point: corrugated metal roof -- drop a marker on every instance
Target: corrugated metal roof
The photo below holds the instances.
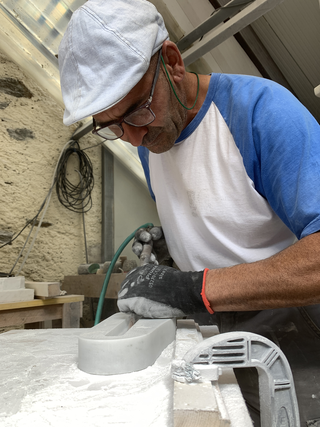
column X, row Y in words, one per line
column 45, row 20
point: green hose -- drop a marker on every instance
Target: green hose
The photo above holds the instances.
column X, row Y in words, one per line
column 108, row 275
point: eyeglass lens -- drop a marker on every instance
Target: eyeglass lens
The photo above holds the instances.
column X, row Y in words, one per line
column 142, row 116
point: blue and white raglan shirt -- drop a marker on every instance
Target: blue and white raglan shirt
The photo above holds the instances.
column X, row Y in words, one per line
column 242, row 182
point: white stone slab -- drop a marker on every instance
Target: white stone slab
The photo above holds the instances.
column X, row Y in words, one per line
column 44, row 289
column 11, row 283
column 41, row 386
column 17, row 295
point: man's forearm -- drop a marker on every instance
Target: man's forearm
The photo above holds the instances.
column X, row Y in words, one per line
column 290, row 278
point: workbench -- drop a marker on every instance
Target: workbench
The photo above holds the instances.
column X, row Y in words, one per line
column 39, row 313
column 41, row 386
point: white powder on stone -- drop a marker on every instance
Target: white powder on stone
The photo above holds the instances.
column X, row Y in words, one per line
column 41, row 386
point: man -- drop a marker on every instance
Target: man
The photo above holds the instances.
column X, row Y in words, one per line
column 233, row 164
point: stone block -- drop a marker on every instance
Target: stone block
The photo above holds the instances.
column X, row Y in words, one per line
column 12, row 283
column 17, row 295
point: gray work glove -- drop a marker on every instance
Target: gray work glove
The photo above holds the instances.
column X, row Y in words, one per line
column 150, row 246
column 163, row 292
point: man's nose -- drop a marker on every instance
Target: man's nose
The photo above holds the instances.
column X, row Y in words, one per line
column 133, row 134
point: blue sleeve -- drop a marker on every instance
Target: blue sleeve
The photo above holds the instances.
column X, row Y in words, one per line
column 143, row 153
column 279, row 141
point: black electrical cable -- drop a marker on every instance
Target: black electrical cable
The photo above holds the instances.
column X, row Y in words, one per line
column 75, row 197
column 79, row 196
column 34, row 219
column 31, row 221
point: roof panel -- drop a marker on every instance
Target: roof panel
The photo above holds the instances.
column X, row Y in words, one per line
column 46, row 20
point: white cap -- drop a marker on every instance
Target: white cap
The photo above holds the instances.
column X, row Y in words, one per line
column 105, row 52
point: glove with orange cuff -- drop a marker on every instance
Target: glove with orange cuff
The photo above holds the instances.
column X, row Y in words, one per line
column 163, row 292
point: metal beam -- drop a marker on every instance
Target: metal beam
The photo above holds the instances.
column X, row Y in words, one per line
column 217, row 18
column 252, row 12
column 81, row 131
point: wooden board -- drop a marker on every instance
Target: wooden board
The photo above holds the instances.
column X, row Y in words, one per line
column 66, row 309
column 90, row 285
column 39, row 302
column 30, row 315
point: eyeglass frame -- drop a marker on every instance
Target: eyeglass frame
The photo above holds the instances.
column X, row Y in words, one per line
column 145, row 105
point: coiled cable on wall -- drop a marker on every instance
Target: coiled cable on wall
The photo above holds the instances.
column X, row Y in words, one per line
column 75, row 197
column 45, row 206
column 79, row 196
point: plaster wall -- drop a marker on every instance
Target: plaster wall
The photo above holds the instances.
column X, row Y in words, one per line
column 32, row 136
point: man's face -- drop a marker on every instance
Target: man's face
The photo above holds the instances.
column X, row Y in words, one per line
column 170, row 119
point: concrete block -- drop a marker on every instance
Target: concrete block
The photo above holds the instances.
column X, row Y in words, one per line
column 17, row 295
column 45, row 289
column 12, row 283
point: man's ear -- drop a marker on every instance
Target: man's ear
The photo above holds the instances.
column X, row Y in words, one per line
column 173, row 60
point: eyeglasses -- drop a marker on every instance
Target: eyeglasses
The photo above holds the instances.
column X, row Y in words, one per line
column 141, row 116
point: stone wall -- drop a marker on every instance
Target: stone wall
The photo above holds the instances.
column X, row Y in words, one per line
column 31, row 138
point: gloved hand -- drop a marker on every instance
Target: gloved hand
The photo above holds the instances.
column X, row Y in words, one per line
column 151, row 240
column 162, row 292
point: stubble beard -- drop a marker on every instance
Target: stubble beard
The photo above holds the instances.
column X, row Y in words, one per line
column 160, row 139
